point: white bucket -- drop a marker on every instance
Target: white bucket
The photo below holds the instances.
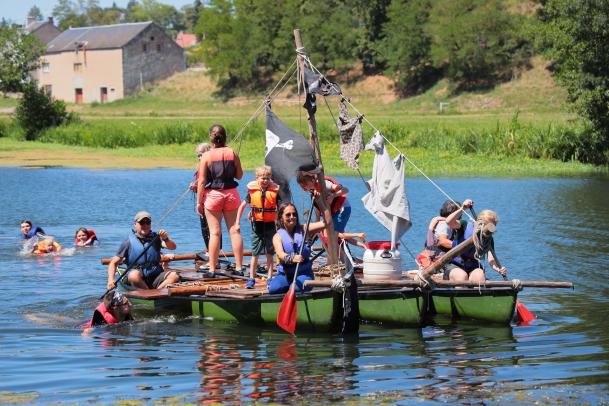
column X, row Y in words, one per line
column 380, row 262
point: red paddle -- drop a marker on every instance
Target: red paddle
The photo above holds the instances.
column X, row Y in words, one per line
column 286, row 317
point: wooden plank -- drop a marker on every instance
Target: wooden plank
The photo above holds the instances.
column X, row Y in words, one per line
column 147, row 294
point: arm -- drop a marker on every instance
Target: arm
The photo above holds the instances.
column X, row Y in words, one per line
column 453, row 219
column 240, row 213
column 166, row 241
column 238, row 169
column 316, row 227
column 494, row 263
column 114, row 262
column 201, row 183
column 278, row 247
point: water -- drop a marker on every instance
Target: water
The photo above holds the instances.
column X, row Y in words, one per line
column 550, row 229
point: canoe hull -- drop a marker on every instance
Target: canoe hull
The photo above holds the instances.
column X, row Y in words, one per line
column 404, row 307
column 494, row 305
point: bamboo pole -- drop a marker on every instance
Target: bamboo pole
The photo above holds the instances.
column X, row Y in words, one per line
column 456, row 251
column 448, row 284
column 332, row 251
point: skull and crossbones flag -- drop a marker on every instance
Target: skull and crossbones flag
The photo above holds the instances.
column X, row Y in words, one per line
column 285, row 152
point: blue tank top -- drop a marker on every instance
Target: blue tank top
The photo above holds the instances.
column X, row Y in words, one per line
column 293, row 246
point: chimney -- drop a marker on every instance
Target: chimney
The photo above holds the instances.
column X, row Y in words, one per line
column 29, row 20
column 51, row 21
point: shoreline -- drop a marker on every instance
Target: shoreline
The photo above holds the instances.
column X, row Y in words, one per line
column 32, row 154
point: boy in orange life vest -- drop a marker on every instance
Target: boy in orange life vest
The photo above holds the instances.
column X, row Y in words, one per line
column 263, row 198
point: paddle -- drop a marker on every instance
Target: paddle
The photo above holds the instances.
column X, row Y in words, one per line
column 523, row 313
column 286, row 317
column 134, row 263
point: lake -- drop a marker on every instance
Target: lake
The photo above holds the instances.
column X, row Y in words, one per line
column 550, row 229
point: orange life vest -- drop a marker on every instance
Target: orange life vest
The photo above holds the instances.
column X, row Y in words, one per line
column 101, row 312
column 263, row 202
column 42, row 249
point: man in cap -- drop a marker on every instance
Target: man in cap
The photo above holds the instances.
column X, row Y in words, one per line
column 146, row 271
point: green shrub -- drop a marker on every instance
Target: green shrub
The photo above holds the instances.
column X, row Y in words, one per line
column 37, row 111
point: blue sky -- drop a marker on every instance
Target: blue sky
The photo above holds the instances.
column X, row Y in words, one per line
column 16, row 10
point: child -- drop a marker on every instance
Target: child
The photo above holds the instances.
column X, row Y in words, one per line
column 263, row 198
column 46, row 246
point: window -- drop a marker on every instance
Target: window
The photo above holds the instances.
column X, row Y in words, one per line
column 78, row 67
column 158, row 47
column 144, row 47
column 46, row 67
column 103, row 94
column 151, row 38
column 48, row 90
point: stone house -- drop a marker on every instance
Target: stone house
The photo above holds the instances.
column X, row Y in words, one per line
column 45, row 31
column 106, row 63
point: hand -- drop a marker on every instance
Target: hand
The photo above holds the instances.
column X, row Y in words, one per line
column 502, row 271
column 361, row 236
column 238, row 227
column 163, row 235
column 297, row 259
column 468, row 204
column 170, row 257
column 111, row 284
column 200, row 209
column 193, row 186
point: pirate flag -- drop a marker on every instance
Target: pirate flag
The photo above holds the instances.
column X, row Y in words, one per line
column 285, row 152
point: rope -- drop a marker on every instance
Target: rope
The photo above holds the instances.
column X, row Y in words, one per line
column 173, row 206
column 482, row 243
column 260, row 108
column 517, row 284
column 389, row 142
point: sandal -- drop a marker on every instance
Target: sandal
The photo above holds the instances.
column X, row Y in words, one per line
column 240, row 272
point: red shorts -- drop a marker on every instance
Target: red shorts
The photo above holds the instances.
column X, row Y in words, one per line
column 222, row 200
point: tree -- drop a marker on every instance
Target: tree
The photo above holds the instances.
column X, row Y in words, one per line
column 579, row 46
column 37, row 111
column 35, row 13
column 406, row 46
column 167, row 17
column 191, row 15
column 70, row 14
column 371, row 17
column 477, row 42
column 19, row 55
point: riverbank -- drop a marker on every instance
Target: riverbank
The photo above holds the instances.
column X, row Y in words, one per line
column 181, row 156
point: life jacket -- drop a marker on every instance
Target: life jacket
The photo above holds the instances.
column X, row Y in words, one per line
column 92, row 238
column 293, row 246
column 101, row 315
column 221, row 169
column 263, row 202
column 32, row 233
column 42, row 249
column 149, row 263
column 338, row 201
column 467, row 261
column 433, row 250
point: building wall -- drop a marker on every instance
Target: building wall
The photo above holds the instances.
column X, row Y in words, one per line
column 102, row 68
column 149, row 57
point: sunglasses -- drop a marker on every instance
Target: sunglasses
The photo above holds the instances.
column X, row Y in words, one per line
column 145, row 222
column 290, row 215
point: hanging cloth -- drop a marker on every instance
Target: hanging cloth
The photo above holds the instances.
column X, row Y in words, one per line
column 387, row 200
column 351, row 136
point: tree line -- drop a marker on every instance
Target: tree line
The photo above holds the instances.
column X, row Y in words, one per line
column 472, row 43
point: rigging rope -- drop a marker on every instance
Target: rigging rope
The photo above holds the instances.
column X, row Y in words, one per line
column 173, row 206
column 389, row 142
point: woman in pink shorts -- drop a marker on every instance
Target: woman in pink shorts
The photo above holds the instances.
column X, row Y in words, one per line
column 218, row 169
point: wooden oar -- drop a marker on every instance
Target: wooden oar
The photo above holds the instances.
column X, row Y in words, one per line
column 286, row 316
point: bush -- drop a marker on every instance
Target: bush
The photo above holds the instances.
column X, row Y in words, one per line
column 37, row 111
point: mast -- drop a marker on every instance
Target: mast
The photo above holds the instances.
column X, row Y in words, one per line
column 332, row 249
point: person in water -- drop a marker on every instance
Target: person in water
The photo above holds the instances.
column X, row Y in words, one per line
column 29, row 231
column 218, row 169
column 470, row 267
column 114, row 308
column 263, row 198
column 84, row 237
column 287, row 242
column 46, row 246
column 148, row 273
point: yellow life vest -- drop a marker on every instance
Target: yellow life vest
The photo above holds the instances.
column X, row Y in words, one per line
column 263, row 203
column 42, row 249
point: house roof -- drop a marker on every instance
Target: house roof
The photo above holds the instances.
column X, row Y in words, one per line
column 35, row 25
column 98, row 37
column 186, row 40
